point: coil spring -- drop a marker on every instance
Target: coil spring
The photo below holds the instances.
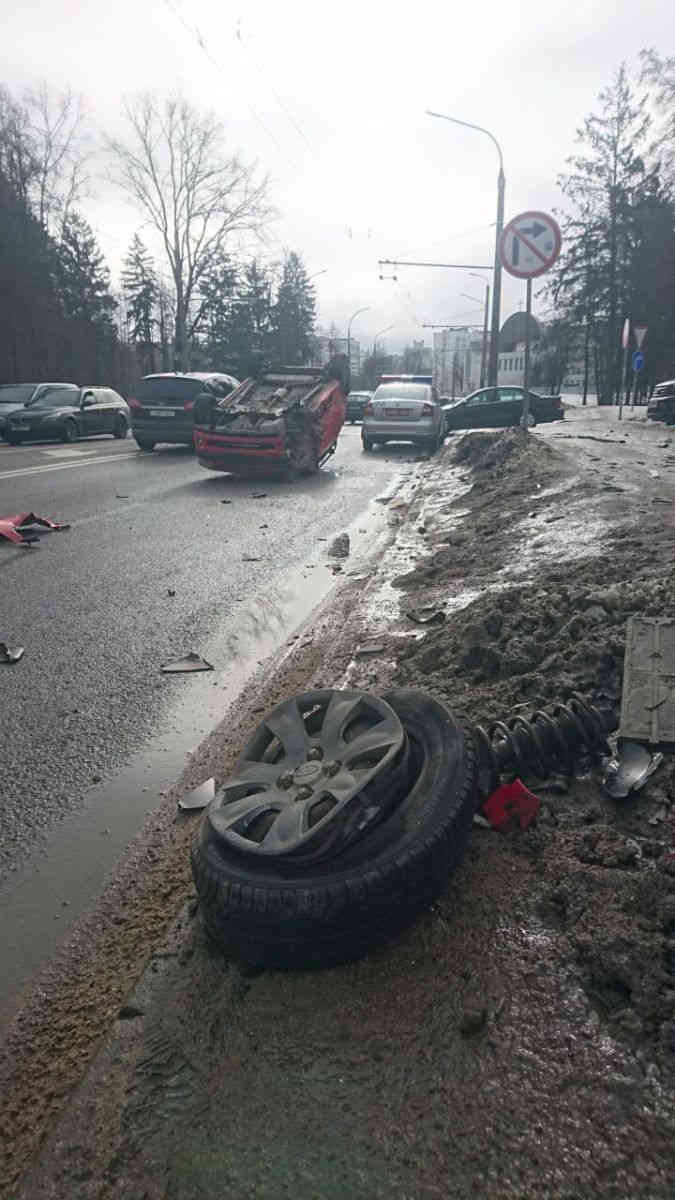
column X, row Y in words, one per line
column 549, row 742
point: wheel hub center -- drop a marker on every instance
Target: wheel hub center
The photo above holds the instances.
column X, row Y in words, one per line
column 308, row 773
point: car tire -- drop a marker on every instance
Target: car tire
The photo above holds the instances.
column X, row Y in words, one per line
column 367, row 444
column 145, row 444
column 121, row 427
column 69, row 431
column 276, row 915
column 14, row 439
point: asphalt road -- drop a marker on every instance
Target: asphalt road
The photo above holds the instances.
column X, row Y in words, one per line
column 92, row 605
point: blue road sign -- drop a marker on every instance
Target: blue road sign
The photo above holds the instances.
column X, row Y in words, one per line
column 638, row 360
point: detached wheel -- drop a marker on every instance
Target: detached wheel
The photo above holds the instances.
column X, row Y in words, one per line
column 69, row 432
column 145, row 444
column 285, row 911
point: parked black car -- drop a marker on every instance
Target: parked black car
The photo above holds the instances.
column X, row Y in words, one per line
column 661, row 406
column 67, row 412
column 16, row 395
column 356, row 402
column 500, row 406
column 162, row 405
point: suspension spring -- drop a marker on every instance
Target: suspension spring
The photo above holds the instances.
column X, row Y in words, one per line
column 547, row 743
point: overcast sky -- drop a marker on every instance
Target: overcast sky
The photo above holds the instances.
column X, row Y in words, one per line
column 331, row 99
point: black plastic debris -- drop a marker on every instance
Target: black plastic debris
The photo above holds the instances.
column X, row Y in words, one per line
column 191, row 662
column 370, row 648
column 171, row 592
column 10, row 656
column 199, row 797
column 258, row 495
column 340, row 546
column 630, row 770
column 426, row 616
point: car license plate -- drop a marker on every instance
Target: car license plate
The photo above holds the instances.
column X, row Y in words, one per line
column 22, row 427
column 161, row 412
column 396, row 413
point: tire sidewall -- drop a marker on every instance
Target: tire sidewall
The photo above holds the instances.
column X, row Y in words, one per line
column 70, row 431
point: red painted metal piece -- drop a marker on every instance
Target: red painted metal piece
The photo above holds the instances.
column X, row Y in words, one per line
column 13, row 528
column 511, row 804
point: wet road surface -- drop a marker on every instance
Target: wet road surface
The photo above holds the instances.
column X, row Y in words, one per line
column 93, row 606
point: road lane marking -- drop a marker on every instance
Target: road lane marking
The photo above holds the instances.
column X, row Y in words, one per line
column 82, row 462
column 66, row 452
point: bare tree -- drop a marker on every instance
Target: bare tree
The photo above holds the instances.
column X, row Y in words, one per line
column 176, row 169
column 55, row 121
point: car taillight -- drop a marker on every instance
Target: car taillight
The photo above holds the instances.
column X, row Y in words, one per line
column 368, row 410
column 189, row 405
column 133, row 403
column 427, row 410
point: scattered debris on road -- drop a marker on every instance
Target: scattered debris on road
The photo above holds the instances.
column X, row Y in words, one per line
column 251, row 558
column 369, row 648
column 199, row 797
column 258, row 495
column 426, row 616
column 171, row 592
column 511, row 804
column 340, row 546
column 191, row 662
column 226, row 502
column 629, row 770
column 10, row 656
column 18, row 527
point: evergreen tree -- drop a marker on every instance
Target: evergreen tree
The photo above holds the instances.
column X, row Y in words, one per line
column 294, row 313
column 140, row 290
column 88, row 307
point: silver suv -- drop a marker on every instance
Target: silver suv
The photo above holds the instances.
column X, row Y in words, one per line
column 406, row 409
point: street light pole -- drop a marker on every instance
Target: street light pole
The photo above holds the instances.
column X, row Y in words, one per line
column 378, row 335
column 349, row 332
column 497, row 287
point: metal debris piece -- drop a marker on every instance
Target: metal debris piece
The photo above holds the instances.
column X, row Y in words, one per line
column 370, row 648
column 199, row 797
column 661, row 500
column 630, row 770
column 171, row 591
column 648, row 700
column 426, row 616
column 10, row 656
column 511, row 803
column 17, row 528
column 226, row 502
column 258, row 495
column 340, row 546
column 191, row 662
column 250, row 558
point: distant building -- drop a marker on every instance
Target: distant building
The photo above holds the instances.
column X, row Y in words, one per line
column 452, row 361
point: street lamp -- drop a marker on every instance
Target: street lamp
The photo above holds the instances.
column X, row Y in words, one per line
column 483, row 357
column 497, row 288
column 349, row 331
column 379, row 335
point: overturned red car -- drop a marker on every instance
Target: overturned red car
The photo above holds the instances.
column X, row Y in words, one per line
column 286, row 420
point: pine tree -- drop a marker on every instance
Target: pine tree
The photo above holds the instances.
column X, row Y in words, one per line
column 139, row 286
column 294, row 313
column 88, row 306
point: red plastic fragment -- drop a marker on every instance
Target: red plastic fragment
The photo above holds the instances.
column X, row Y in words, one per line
column 511, row 803
column 11, row 527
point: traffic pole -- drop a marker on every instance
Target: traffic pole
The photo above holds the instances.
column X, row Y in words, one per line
column 526, row 371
